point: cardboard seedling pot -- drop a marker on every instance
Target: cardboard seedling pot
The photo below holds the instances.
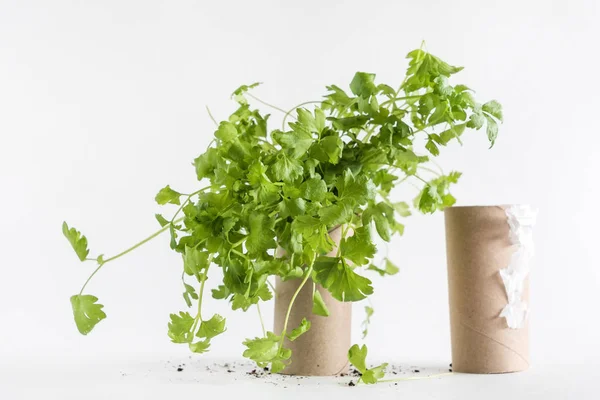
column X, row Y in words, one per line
column 478, row 246
column 323, row 350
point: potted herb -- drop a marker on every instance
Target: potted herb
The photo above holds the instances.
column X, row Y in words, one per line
column 300, row 205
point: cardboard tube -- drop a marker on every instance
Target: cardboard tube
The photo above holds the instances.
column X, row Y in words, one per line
column 477, row 247
column 323, row 350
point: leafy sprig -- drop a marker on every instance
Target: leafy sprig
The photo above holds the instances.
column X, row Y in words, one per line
column 333, row 165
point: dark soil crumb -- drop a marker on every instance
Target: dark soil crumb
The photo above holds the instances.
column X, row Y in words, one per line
column 179, row 369
column 266, row 369
column 343, row 374
column 450, row 365
column 351, row 383
column 229, row 370
column 450, row 369
column 416, row 371
column 256, row 373
column 396, row 384
column 394, row 372
column 355, row 372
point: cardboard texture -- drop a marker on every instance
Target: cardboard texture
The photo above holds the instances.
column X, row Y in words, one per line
column 478, row 246
column 323, row 350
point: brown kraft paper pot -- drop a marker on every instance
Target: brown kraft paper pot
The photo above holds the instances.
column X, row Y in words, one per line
column 477, row 247
column 323, row 350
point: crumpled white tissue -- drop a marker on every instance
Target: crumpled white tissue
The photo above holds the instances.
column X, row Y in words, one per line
column 521, row 219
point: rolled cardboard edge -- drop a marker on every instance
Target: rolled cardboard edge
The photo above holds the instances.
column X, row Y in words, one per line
column 323, row 350
column 477, row 247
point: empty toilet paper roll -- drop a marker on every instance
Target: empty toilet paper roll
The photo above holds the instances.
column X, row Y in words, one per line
column 480, row 247
column 323, row 350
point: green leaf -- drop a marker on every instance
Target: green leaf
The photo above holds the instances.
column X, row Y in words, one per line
column 402, row 208
column 365, row 325
column 358, row 248
column 161, row 220
column 262, row 350
column 340, row 280
column 372, row 375
column 348, row 123
column 212, row 327
column 389, row 268
column 357, row 190
column 244, row 88
column 306, row 120
column 200, row 346
column 194, row 261
column 329, row 149
column 167, row 195
column 492, row 130
column 357, row 356
column 189, row 294
column 313, row 189
column 261, row 236
column 222, row 292
column 319, row 120
column 87, row 312
column 363, row 84
column 494, row 108
column 319, row 306
column 338, row 96
column 435, row 195
column 295, row 142
column 476, row 121
column 383, row 215
column 206, row 163
column 301, row 329
column 173, row 235
column 432, row 147
column 77, row 240
column 335, row 214
column 180, row 327
column 453, row 132
column 277, row 366
column 292, row 207
column 226, row 132
column 286, row 169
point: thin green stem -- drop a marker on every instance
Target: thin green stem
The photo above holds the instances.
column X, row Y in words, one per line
column 149, row 238
column 211, row 117
column 272, row 287
column 210, row 144
column 262, row 324
column 200, row 294
column 267, row 143
column 421, row 179
column 343, row 236
column 368, row 136
column 429, row 170
column 189, row 196
column 265, row 103
column 240, row 254
column 438, row 166
column 289, row 310
column 415, row 378
column 395, row 99
column 236, row 244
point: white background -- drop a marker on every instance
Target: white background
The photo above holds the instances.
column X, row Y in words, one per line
column 103, row 103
